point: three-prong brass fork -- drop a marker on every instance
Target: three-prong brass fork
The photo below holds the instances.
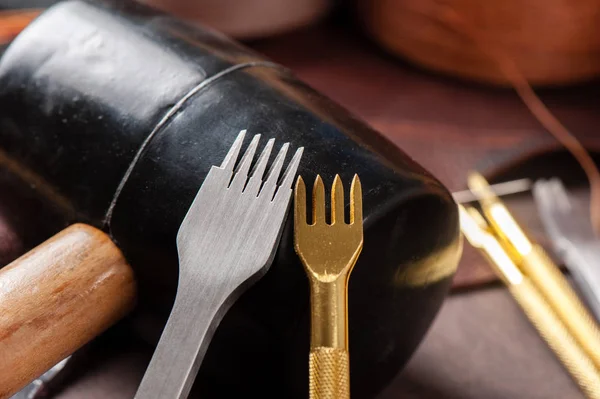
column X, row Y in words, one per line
column 226, row 242
column 328, row 252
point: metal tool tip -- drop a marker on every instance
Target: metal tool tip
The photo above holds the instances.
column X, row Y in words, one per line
column 355, row 201
column 248, row 155
column 337, row 183
column 234, row 151
column 261, row 164
column 275, row 169
column 292, row 168
column 355, row 185
column 476, row 181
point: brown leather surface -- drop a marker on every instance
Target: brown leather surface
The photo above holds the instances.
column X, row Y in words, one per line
column 448, row 126
column 480, row 347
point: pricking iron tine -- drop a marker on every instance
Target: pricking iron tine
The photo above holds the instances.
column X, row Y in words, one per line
column 232, row 155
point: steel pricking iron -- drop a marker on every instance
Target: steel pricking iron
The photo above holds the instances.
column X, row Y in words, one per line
column 227, row 240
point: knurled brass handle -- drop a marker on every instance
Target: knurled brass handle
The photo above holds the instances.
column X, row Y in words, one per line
column 557, row 291
column 329, row 373
column 554, row 332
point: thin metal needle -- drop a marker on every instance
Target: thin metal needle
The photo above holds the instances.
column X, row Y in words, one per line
column 500, row 189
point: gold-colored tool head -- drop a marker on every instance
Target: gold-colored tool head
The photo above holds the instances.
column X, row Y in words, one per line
column 501, row 221
column 478, row 233
column 481, row 188
column 328, row 250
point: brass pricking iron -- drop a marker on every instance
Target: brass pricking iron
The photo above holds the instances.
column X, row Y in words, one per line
column 328, row 252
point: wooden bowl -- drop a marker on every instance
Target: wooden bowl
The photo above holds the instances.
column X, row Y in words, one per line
column 247, row 19
column 552, row 42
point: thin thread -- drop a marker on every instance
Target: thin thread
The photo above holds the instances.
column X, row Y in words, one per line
column 165, row 119
column 536, row 106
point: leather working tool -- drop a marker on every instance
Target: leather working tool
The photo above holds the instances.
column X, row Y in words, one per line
column 225, row 243
column 573, row 238
column 328, row 252
column 534, row 303
column 113, row 113
column 540, row 269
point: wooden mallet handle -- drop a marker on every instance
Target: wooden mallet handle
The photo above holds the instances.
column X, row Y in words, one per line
column 56, row 298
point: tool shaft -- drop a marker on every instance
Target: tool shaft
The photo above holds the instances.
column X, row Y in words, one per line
column 573, row 237
column 541, row 270
column 329, row 313
column 581, row 259
column 500, row 189
column 535, row 302
column 553, row 331
column 549, row 280
column 183, row 343
column 329, row 362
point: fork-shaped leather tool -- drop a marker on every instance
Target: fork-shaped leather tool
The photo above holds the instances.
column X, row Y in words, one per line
column 328, row 252
column 225, row 243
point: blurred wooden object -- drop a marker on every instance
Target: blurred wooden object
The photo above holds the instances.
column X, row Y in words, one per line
column 241, row 19
column 552, row 42
column 247, row 19
column 13, row 22
column 73, row 286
